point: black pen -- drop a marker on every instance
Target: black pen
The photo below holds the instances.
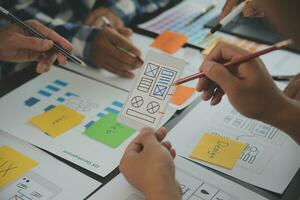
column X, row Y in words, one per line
column 283, row 77
column 201, row 14
column 58, row 48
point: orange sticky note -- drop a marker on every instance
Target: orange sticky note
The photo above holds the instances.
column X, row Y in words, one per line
column 218, row 150
column 169, row 42
column 182, row 93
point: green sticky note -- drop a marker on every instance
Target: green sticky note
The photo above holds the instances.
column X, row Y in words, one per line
column 108, row 131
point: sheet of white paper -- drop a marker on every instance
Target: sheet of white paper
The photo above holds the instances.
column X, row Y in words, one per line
column 150, row 95
column 281, row 62
column 270, row 159
column 50, row 179
column 197, row 183
column 88, row 97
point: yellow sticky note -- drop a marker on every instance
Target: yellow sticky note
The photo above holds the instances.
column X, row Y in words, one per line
column 57, row 120
column 12, row 165
column 218, row 150
column 209, row 44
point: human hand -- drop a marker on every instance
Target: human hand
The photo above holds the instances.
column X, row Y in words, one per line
column 148, row 165
column 249, row 87
column 111, row 57
column 293, row 88
column 18, row 45
column 250, row 10
column 95, row 18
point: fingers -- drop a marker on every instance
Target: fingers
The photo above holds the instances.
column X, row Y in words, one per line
column 50, row 34
column 62, row 60
column 122, row 42
column 251, row 10
column 168, row 146
column 293, row 89
column 45, row 62
column 217, row 97
column 33, row 43
column 220, row 75
column 229, row 5
column 161, row 134
column 113, row 65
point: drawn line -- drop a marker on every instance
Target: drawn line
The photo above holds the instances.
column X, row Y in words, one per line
column 139, row 115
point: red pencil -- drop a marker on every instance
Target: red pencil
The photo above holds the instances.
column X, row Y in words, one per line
column 238, row 61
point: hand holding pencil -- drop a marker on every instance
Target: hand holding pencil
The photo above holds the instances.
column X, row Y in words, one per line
column 249, row 86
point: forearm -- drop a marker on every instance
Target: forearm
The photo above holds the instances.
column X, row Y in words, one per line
column 169, row 190
column 287, row 118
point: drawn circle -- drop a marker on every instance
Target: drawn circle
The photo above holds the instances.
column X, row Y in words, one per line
column 137, row 101
column 153, row 107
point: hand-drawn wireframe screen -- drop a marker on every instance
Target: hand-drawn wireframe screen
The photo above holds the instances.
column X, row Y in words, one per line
column 151, row 93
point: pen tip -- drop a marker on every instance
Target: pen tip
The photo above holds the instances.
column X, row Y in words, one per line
column 208, row 35
column 82, row 64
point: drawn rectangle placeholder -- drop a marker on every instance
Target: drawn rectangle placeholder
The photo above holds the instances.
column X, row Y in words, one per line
column 145, row 84
column 140, row 115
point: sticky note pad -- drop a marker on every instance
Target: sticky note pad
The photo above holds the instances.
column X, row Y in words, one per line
column 12, row 165
column 169, row 42
column 218, row 150
column 57, row 120
column 108, row 131
column 182, row 93
column 209, row 44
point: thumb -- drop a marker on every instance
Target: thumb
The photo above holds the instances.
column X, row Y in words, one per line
column 34, row 44
column 219, row 74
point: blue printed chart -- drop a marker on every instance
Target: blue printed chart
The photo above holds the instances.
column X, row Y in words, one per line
column 88, row 97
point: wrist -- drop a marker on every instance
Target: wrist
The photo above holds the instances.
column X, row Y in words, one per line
column 286, row 117
column 164, row 190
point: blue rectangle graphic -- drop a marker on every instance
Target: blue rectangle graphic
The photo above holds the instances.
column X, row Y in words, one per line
column 49, row 108
column 69, row 94
column 44, row 93
column 111, row 110
column 60, row 99
column 60, row 83
column 100, row 115
column 53, row 88
column 118, row 104
column 89, row 124
column 31, row 101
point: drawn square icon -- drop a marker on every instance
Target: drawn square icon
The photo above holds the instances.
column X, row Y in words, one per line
column 151, row 70
column 160, row 91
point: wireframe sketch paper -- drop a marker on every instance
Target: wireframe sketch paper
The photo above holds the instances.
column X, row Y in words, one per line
column 50, row 179
column 197, row 183
column 152, row 91
column 270, row 159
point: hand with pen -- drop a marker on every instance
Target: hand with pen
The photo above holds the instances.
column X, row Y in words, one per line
column 17, row 45
column 250, row 9
column 248, row 86
column 107, row 52
column 250, row 89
